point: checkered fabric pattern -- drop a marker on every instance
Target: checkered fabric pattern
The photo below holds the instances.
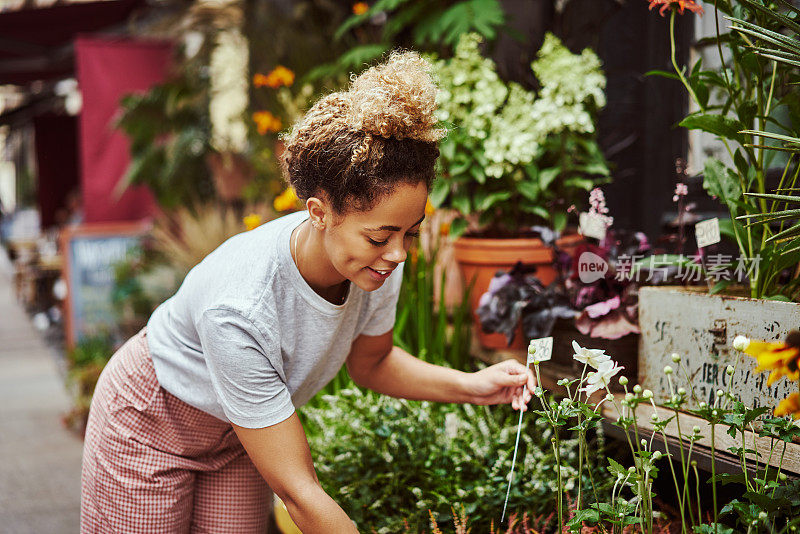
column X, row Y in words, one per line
column 152, row 463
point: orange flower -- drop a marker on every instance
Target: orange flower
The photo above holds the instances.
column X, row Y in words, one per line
column 429, row 209
column 789, row 406
column 359, row 8
column 252, row 221
column 286, row 200
column 280, row 75
column 266, row 122
column 780, row 358
column 260, row 80
column 691, row 5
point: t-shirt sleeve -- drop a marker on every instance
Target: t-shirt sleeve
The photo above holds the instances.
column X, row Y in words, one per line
column 383, row 305
column 242, row 364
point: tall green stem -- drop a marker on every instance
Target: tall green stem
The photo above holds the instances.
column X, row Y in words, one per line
column 714, row 473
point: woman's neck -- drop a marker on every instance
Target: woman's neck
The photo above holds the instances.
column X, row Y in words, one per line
column 312, row 261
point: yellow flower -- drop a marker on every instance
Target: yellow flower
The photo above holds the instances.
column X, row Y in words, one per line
column 252, row 221
column 286, row 200
column 429, row 209
column 359, row 8
column 280, row 75
column 789, row 406
column 780, row 358
column 266, row 122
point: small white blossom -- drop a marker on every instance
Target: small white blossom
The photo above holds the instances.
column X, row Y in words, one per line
column 601, row 378
column 740, row 343
column 592, row 357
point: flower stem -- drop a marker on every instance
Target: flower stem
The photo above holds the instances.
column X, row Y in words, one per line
column 678, row 71
column 714, row 473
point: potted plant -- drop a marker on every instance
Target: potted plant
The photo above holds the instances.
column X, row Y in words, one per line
column 515, row 158
column 752, row 92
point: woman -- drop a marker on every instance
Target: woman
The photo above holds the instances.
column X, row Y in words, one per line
column 193, row 421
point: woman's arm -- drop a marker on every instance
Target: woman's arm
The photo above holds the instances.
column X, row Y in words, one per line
column 376, row 364
column 281, row 454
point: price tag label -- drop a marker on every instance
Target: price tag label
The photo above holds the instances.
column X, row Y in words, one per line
column 592, row 226
column 707, row 232
column 540, row 350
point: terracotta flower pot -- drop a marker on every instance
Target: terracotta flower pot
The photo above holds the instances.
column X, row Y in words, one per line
column 231, row 173
column 479, row 260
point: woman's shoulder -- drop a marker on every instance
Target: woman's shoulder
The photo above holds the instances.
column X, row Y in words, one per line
column 243, row 266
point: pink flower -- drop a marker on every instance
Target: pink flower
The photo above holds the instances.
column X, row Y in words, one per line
column 681, row 190
column 602, row 308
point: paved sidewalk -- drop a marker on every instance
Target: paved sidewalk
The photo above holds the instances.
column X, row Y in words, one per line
column 40, row 460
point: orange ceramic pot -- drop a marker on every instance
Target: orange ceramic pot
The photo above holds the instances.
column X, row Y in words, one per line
column 481, row 258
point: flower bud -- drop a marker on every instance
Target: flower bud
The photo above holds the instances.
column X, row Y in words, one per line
column 631, row 469
column 740, row 343
column 762, row 515
column 681, row 391
column 644, row 443
column 696, row 429
column 654, row 418
column 538, row 391
column 720, row 393
column 647, row 394
column 729, row 370
column 667, row 370
column 714, row 413
column 676, row 357
column 609, row 397
column 637, row 389
column 623, row 381
column 657, row 455
column 629, row 397
column 694, row 463
column 702, row 404
column 782, row 477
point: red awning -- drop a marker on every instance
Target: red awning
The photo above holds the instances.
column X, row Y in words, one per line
column 37, row 44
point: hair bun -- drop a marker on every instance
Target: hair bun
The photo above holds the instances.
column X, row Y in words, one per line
column 395, row 99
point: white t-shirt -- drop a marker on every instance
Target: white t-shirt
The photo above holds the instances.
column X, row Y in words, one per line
column 247, row 340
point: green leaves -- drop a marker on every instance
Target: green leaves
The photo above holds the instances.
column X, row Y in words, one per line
column 388, row 460
column 431, row 23
column 720, row 182
column 719, row 125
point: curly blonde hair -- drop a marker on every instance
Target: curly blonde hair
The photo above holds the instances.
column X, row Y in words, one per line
column 356, row 145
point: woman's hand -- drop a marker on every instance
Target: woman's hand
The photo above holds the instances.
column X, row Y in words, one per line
column 501, row 383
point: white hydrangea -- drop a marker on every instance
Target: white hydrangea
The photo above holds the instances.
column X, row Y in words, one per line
column 511, row 122
column 228, row 99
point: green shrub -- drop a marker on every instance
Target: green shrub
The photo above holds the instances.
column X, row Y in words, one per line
column 387, row 461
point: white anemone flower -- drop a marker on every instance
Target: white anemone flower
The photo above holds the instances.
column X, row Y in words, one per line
column 601, row 378
column 593, row 357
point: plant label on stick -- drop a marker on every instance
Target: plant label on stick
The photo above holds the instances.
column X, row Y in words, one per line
column 540, row 350
column 707, row 232
column 592, row 226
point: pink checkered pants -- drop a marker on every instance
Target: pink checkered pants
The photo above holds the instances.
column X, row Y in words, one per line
column 154, row 464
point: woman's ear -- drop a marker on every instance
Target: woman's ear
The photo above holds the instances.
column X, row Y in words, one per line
column 319, row 212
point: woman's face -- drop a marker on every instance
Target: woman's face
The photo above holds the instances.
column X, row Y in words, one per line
column 366, row 246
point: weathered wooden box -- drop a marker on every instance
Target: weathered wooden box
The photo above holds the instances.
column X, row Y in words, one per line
column 701, row 328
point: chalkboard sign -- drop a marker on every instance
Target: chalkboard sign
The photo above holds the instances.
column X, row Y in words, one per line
column 91, row 251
